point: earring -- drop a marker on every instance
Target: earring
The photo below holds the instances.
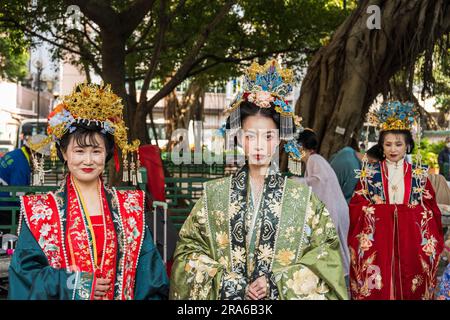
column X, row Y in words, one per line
column 138, row 165
column 38, row 170
column 35, row 180
column 133, row 171
column 125, row 168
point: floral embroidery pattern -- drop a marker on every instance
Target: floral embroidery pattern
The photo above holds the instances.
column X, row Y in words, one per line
column 258, row 263
column 367, row 275
column 41, row 215
column 285, row 257
column 199, row 268
column 430, row 261
column 131, row 211
column 307, row 286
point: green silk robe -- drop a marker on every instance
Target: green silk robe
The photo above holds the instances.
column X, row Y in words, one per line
column 301, row 258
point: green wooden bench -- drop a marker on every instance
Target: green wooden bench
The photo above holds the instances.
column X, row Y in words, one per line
column 10, row 205
column 181, row 196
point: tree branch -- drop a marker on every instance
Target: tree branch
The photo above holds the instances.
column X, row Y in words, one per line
column 180, row 5
column 186, row 66
column 220, row 60
column 86, row 35
column 144, row 34
column 92, row 26
column 131, row 17
column 98, row 11
column 163, row 22
column 84, row 53
column 39, row 36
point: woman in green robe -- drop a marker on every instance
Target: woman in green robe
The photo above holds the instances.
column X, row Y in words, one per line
column 256, row 234
column 86, row 240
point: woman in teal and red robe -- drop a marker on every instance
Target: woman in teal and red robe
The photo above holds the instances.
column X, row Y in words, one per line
column 86, row 241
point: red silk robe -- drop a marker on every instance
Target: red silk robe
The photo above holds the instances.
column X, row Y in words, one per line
column 394, row 248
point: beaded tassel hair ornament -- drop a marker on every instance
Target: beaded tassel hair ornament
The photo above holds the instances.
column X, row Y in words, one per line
column 392, row 115
column 37, row 157
column 267, row 86
column 94, row 103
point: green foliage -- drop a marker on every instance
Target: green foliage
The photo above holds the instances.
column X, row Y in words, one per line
column 252, row 29
column 429, row 152
column 13, row 60
column 13, row 55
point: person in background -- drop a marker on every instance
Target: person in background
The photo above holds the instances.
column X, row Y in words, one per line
column 444, row 286
column 362, row 147
column 321, row 178
column 15, row 166
column 444, row 160
column 395, row 236
column 344, row 164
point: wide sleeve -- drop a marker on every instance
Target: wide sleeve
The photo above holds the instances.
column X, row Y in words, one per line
column 429, row 200
column 314, row 174
column 196, row 272
column 152, row 282
column 356, row 205
column 319, row 272
column 32, row 278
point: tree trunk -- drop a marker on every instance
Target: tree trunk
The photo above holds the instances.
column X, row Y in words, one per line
column 345, row 76
column 178, row 114
column 113, row 67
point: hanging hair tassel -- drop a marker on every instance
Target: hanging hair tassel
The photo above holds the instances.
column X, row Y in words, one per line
column 35, row 171
column 295, row 167
column 138, row 165
column 53, row 154
column 235, row 118
column 286, row 127
column 125, row 167
column 133, row 170
column 41, row 171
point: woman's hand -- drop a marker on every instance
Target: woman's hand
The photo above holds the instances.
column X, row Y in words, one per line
column 258, row 289
column 102, row 286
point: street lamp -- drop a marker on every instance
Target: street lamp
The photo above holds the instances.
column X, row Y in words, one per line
column 39, row 67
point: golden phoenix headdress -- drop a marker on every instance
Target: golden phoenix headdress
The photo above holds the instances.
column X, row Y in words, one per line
column 92, row 103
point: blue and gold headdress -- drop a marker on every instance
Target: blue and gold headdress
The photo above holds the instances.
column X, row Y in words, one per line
column 266, row 86
column 394, row 115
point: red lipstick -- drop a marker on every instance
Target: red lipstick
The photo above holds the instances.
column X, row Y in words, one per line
column 87, row 170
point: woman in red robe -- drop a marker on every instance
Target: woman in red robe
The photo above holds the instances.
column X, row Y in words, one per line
column 396, row 234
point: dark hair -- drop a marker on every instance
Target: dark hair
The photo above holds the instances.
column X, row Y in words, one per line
column 84, row 136
column 405, row 133
column 354, row 144
column 308, row 139
column 250, row 109
column 375, row 152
